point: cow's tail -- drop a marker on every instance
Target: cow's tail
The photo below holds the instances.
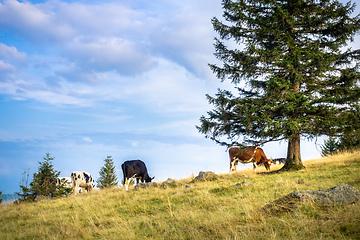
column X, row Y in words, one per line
column 123, row 169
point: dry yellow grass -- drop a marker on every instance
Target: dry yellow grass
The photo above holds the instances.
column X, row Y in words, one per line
column 207, row 210
column 334, row 160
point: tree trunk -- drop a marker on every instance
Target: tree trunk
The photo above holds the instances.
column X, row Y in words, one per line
column 293, row 159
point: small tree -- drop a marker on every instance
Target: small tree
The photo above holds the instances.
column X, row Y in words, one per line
column 25, row 193
column 0, row 198
column 330, row 147
column 107, row 173
column 347, row 142
column 44, row 181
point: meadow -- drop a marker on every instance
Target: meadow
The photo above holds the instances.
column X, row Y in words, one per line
column 217, row 209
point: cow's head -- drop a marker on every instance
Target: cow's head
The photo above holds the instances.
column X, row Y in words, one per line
column 148, row 179
column 267, row 164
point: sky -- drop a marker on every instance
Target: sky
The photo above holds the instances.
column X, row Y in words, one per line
column 83, row 80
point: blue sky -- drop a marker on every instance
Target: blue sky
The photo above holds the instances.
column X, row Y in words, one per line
column 86, row 79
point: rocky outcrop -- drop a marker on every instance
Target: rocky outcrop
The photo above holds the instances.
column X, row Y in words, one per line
column 208, row 176
column 341, row 194
column 145, row 185
column 169, row 183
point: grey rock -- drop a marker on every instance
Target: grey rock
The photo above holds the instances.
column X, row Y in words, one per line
column 169, row 183
column 244, row 183
column 342, row 194
column 209, row 176
column 145, row 185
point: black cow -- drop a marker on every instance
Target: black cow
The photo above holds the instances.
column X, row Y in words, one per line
column 135, row 169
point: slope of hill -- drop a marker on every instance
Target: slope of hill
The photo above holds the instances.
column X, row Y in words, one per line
column 217, row 209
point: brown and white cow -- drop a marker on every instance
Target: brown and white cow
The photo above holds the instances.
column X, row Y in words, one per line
column 246, row 155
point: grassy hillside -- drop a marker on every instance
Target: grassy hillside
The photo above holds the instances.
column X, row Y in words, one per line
column 205, row 210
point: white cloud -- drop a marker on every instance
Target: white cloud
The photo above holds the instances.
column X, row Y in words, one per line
column 104, row 19
column 30, row 20
column 168, row 89
column 106, row 54
column 110, row 52
column 11, row 53
column 25, row 87
column 6, row 67
column 186, row 39
column 112, row 35
column 87, row 139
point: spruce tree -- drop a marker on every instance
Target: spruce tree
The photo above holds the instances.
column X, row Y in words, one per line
column 107, row 173
column 346, row 142
column 330, row 147
column 293, row 72
column 44, row 180
column 349, row 141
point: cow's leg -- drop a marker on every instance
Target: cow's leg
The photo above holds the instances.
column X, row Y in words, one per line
column 76, row 189
column 232, row 165
column 126, row 184
column 236, row 165
column 254, row 166
column 88, row 188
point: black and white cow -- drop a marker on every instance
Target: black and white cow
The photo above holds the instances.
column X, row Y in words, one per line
column 279, row 160
column 135, row 169
column 83, row 180
column 66, row 180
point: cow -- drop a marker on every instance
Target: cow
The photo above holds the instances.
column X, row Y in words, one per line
column 135, row 169
column 279, row 160
column 246, row 155
column 66, row 180
column 82, row 179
